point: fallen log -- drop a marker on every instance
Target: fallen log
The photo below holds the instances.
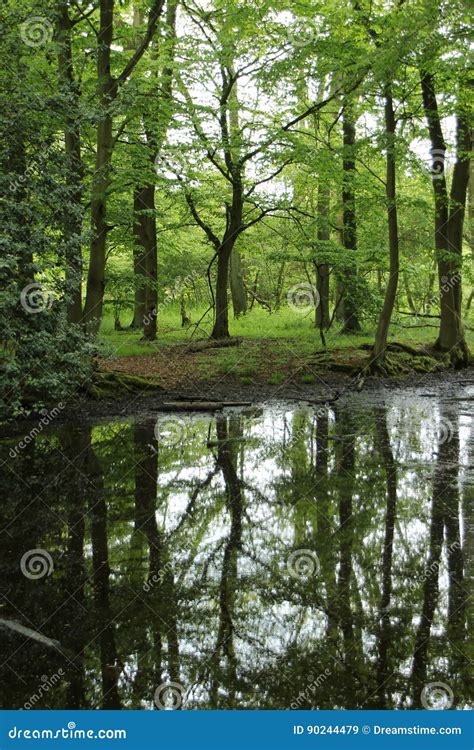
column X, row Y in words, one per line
column 200, row 405
column 200, row 346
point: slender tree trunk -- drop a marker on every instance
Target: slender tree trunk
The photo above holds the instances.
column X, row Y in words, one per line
column 138, row 270
column 385, row 633
column 378, row 353
column 349, row 232
column 410, row 300
column 322, row 269
column 237, row 286
column 458, row 197
column 72, row 221
column 146, row 293
column 279, row 285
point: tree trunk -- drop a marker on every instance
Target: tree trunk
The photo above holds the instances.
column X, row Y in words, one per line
column 72, row 221
column 221, row 320
column 138, row 272
column 410, row 300
column 449, row 219
column 279, row 285
column 322, row 269
column 146, row 262
column 144, row 207
column 380, row 344
column 237, row 286
column 349, row 232
column 444, row 481
column 107, row 88
column 101, row 574
column 458, row 197
column 385, row 633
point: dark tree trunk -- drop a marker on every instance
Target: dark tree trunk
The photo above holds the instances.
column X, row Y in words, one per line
column 75, row 444
column 345, row 534
column 349, row 232
column 138, row 274
column 101, row 581
column 449, row 220
column 146, row 260
column 385, row 634
column 72, row 221
column 221, row 321
column 227, row 429
column 145, row 228
column 322, row 269
column 107, row 89
column 445, row 478
column 234, row 227
column 380, row 344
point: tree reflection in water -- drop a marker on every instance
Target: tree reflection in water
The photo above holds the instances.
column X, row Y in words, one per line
column 274, row 559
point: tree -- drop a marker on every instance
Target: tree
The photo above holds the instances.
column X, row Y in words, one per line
column 108, row 88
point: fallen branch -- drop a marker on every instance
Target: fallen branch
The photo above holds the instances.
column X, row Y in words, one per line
column 200, row 346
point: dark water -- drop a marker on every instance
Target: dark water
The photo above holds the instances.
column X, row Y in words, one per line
column 280, row 558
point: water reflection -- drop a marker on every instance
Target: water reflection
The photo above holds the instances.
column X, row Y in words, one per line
column 276, row 559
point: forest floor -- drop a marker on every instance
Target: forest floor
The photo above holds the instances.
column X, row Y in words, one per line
column 275, row 367
column 289, row 359
column 257, row 362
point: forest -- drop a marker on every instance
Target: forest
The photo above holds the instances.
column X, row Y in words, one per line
column 289, row 178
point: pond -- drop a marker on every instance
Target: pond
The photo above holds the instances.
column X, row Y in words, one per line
column 281, row 557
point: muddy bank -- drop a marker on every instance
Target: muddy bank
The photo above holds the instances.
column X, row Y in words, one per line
column 329, row 388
